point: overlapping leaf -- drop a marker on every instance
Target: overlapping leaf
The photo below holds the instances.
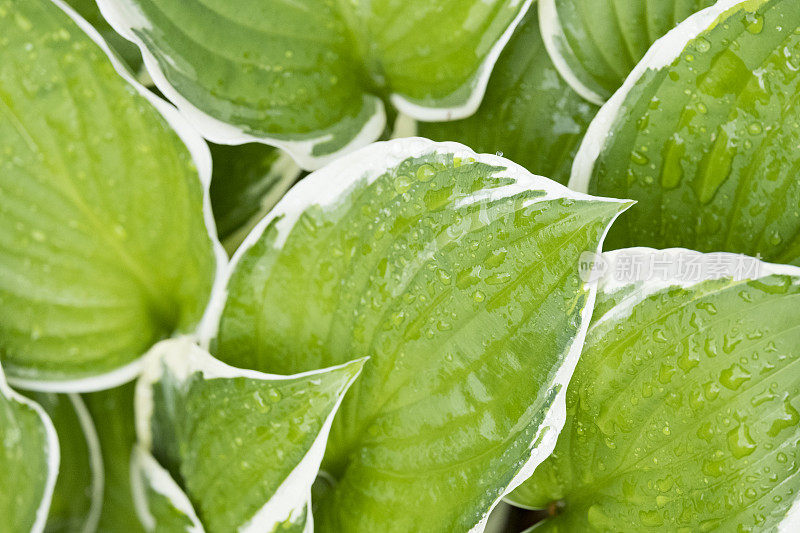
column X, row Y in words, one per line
column 78, row 495
column 112, row 414
column 529, row 114
column 103, row 244
column 29, row 459
column 457, row 274
column 682, row 413
column 126, row 49
column 239, row 447
column 309, row 76
column 247, row 181
column 704, row 136
column 596, row 43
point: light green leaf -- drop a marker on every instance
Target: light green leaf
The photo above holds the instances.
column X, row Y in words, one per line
column 29, row 459
column 78, row 496
column 457, row 274
column 247, row 181
column 112, row 413
column 126, row 49
column 704, row 136
column 244, row 446
column 595, row 44
column 529, row 113
column 682, row 413
column 104, row 244
column 309, row 76
column 162, row 504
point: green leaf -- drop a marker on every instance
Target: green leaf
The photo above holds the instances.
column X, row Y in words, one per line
column 104, row 243
column 529, row 113
column 309, row 76
column 247, row 181
column 457, row 274
column 78, row 496
column 126, row 49
column 29, row 459
column 163, row 506
column 112, row 413
column 682, row 412
column 704, row 136
column 244, row 446
column 595, row 44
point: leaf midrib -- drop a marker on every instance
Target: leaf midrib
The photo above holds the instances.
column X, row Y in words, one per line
column 151, row 291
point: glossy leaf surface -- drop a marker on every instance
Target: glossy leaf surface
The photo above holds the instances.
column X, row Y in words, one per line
column 529, row 114
column 704, row 136
column 243, row 446
column 309, row 76
column 682, row 413
column 457, row 274
column 597, row 43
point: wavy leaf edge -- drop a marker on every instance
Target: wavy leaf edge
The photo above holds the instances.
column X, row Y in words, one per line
column 660, row 55
column 201, row 156
column 184, row 358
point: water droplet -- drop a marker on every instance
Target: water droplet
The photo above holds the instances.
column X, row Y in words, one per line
column 734, row 376
column 755, row 23
column 425, row 173
column 402, row 183
column 790, row 417
column 639, row 158
column 651, row 518
column 740, row 443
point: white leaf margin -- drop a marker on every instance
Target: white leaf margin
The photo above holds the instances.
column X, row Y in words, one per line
column 95, row 462
column 554, row 42
column 287, row 171
column 479, row 82
column 717, row 265
column 201, row 156
column 722, row 266
column 183, row 358
column 640, row 288
column 660, row 55
column 52, row 450
column 146, row 472
column 331, row 184
column 125, row 18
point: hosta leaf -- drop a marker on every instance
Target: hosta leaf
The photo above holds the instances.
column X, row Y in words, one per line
column 244, row 446
column 112, row 413
column 682, row 413
column 29, row 458
column 103, row 244
column 595, row 44
column 457, row 274
column 126, row 49
column 309, row 76
column 78, row 496
column 529, row 113
column 704, row 136
column 163, row 507
column 247, row 181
